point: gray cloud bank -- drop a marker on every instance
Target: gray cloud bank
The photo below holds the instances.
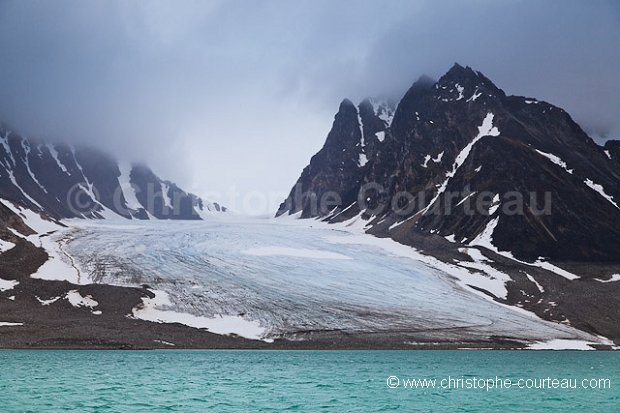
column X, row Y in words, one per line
column 237, row 95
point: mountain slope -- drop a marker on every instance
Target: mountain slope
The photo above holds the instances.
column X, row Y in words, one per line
column 464, row 161
column 68, row 182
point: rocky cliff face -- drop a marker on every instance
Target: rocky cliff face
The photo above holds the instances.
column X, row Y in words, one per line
column 462, row 160
column 67, row 182
column 336, row 172
column 612, row 150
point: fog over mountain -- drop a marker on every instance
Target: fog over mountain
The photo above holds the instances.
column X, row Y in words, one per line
column 229, row 98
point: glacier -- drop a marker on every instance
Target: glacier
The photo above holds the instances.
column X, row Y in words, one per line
column 293, row 277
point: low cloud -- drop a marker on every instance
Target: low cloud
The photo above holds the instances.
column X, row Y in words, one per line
column 239, row 94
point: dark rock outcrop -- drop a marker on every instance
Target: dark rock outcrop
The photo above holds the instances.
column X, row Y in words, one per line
column 463, row 160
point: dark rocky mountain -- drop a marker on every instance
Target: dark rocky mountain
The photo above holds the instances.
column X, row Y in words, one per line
column 463, row 161
column 612, row 150
column 67, row 182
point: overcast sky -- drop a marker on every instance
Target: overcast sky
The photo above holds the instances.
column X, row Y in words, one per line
column 230, row 99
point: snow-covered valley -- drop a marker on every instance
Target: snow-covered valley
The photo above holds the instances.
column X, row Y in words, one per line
column 288, row 278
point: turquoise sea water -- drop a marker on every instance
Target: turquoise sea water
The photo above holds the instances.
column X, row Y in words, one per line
column 307, row 381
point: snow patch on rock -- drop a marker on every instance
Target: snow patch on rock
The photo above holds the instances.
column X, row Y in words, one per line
column 155, row 310
column 599, row 188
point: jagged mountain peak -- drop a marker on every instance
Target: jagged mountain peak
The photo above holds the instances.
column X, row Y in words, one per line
column 465, row 74
column 459, row 72
column 345, row 129
column 347, row 106
column 463, row 135
column 464, row 83
column 409, row 104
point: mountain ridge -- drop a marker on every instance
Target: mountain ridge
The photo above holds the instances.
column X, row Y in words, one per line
column 64, row 181
column 432, row 157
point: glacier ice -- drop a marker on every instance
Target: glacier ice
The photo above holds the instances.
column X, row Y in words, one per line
column 206, row 270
